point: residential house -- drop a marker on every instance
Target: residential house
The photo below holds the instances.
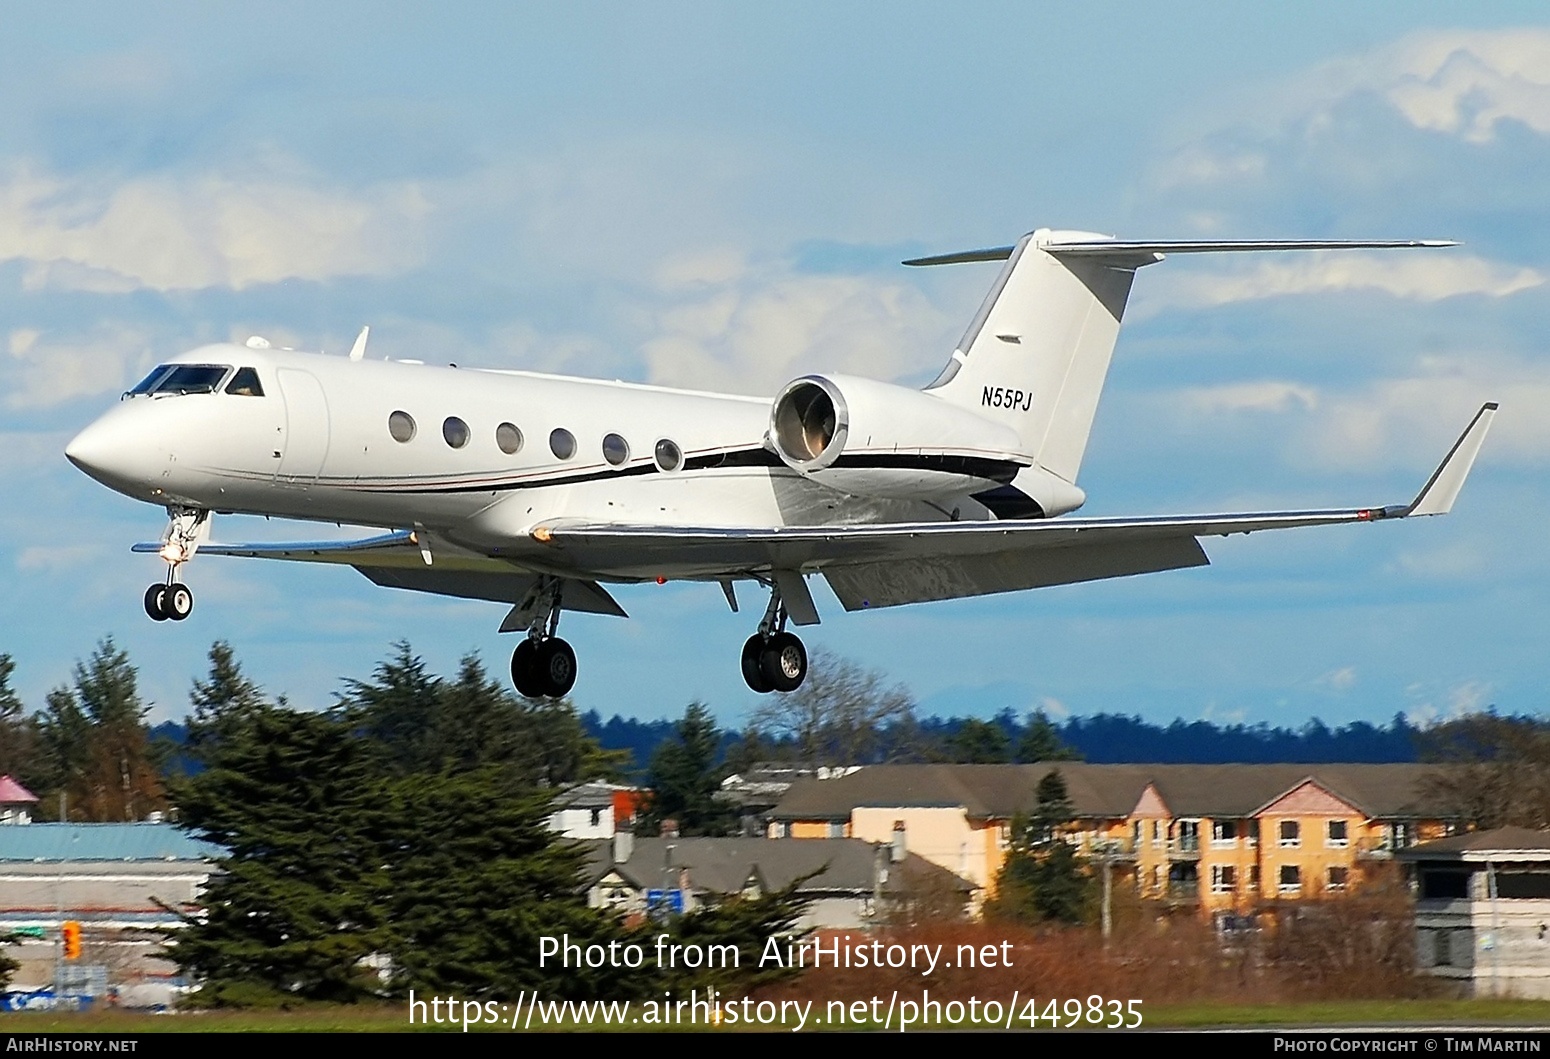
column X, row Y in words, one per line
column 852, row 884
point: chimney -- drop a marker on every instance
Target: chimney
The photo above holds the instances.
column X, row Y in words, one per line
column 897, row 853
column 624, row 846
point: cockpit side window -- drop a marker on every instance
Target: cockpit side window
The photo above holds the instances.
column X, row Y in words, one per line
column 245, row 384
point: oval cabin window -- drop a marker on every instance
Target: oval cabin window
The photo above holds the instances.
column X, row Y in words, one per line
column 455, row 431
column 401, row 426
column 562, row 443
column 615, row 450
column 509, row 438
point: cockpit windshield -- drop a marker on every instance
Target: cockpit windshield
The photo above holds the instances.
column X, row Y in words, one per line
column 182, row 378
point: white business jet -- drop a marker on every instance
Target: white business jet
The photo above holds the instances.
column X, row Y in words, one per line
column 537, row 490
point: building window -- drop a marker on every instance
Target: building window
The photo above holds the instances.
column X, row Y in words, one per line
column 401, row 426
column 455, row 431
column 1399, row 835
column 1337, row 877
column 1224, row 878
column 1253, row 877
column 1336, row 836
column 1291, row 878
column 1224, row 834
column 615, row 450
column 1189, row 836
column 1291, row 834
column 509, row 438
column 562, row 443
column 597, row 817
column 1251, row 833
column 1157, row 834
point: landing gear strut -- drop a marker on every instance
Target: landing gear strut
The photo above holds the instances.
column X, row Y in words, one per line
column 186, row 528
column 543, row 664
column 774, row 659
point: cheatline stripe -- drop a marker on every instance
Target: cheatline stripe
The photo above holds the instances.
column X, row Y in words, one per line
column 970, row 466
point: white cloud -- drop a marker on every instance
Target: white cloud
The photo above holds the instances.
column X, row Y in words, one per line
column 1418, row 275
column 1387, row 422
column 763, row 326
column 1267, row 396
column 1341, row 679
column 57, row 557
column 233, row 230
column 47, row 369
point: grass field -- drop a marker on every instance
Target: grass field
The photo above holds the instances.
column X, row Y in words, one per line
column 314, row 1019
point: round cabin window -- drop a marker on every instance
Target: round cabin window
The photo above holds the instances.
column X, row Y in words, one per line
column 668, row 455
column 615, row 449
column 562, row 443
column 401, row 426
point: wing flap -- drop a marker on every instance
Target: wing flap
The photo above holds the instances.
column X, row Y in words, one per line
column 892, row 584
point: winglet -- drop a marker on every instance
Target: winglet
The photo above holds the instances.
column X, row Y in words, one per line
column 1437, row 496
column 358, row 350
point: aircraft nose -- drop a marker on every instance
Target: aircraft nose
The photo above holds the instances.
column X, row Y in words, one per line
column 103, row 451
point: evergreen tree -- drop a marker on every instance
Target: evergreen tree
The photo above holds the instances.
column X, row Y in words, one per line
column 475, row 879
column 978, row 742
column 296, row 904
column 95, row 739
column 20, row 749
column 684, row 779
column 224, row 704
column 1041, row 742
column 1042, row 879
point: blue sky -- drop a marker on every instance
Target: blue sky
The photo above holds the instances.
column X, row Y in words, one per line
column 717, row 195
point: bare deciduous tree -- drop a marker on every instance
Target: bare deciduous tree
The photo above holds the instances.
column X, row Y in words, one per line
column 842, row 715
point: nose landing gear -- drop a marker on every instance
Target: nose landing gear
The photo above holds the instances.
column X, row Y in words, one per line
column 543, row 664
column 774, row 659
column 173, row 600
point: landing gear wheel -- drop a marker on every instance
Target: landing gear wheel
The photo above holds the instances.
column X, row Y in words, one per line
column 155, row 606
column 524, row 671
column 752, row 674
column 783, row 662
column 177, row 602
column 555, row 666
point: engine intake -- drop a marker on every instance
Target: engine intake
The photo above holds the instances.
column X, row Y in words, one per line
column 875, row 439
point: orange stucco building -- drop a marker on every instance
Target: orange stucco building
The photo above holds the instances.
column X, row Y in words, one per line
column 1221, row 838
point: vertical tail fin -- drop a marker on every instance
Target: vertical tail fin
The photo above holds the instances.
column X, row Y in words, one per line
column 1036, row 354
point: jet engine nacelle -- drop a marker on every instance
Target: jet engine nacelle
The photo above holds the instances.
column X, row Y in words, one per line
column 870, row 438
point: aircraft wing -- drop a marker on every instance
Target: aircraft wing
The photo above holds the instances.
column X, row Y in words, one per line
column 399, row 560
column 886, row 565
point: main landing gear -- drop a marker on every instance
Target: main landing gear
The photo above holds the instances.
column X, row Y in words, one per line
column 172, row 600
column 543, row 664
column 774, row 659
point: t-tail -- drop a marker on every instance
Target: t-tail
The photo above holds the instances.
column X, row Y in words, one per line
column 1036, row 354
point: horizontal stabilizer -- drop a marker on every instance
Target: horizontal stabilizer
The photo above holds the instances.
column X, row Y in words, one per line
column 1141, row 249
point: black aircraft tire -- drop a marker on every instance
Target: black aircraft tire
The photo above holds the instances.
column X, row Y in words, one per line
column 154, row 602
column 178, row 602
column 753, row 673
column 524, row 669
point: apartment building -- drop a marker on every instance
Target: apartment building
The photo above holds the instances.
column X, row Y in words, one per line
column 1220, row 838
